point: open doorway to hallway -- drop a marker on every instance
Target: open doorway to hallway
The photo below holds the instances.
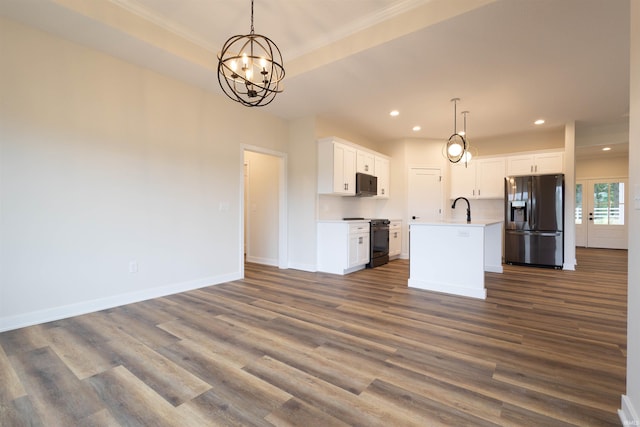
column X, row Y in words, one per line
column 264, row 207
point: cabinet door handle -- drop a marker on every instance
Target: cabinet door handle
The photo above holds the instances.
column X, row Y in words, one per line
column 531, row 168
column 478, row 191
column 360, row 240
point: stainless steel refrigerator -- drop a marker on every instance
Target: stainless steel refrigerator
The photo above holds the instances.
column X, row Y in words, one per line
column 534, row 220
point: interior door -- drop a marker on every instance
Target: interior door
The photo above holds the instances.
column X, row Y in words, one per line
column 603, row 220
column 425, row 194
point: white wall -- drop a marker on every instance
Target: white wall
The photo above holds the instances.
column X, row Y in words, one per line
column 263, row 184
column 302, row 194
column 105, row 163
column 631, row 401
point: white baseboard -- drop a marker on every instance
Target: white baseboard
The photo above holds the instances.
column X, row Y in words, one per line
column 628, row 414
column 62, row 312
column 303, row 267
column 264, row 261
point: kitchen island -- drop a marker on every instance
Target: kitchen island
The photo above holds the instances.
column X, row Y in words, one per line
column 452, row 256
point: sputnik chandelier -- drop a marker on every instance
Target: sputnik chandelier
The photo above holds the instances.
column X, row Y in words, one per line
column 250, row 69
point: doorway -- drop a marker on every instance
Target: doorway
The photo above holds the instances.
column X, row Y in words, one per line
column 264, row 231
column 601, row 213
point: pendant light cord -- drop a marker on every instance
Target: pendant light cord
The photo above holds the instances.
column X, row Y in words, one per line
column 252, row 32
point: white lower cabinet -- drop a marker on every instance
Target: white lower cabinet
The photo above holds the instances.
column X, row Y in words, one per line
column 343, row 246
column 395, row 239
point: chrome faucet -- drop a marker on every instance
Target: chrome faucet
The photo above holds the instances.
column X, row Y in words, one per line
column 453, row 206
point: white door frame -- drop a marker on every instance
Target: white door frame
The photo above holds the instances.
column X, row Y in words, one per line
column 588, row 229
column 283, row 251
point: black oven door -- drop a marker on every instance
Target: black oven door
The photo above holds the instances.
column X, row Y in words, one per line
column 379, row 254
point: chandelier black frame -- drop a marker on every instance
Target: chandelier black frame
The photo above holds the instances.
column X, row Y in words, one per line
column 455, row 140
column 250, row 69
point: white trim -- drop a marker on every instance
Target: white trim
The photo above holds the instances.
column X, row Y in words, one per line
column 628, row 414
column 448, row 288
column 283, row 236
column 62, row 312
column 265, row 261
column 312, row 268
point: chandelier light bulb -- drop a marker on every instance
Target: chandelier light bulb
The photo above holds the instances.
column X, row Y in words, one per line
column 245, row 60
column 233, row 65
column 454, row 150
column 263, row 63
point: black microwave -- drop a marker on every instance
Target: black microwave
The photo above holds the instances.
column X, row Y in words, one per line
column 366, row 185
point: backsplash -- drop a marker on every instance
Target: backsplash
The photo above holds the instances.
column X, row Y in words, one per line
column 337, row 207
column 492, row 209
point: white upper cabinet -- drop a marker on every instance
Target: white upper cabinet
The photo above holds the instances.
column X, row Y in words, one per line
column 382, row 172
column 463, row 179
column 365, row 162
column 336, row 168
column 535, row 164
column 338, row 162
column 490, row 178
column 480, row 179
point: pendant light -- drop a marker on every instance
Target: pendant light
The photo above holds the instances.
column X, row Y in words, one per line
column 250, row 69
column 467, row 156
column 456, row 145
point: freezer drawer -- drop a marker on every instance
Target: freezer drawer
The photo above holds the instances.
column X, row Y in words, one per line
column 534, row 248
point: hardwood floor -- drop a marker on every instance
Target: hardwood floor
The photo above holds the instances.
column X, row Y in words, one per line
column 284, row 347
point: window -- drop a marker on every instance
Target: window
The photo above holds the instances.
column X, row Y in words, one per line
column 608, row 208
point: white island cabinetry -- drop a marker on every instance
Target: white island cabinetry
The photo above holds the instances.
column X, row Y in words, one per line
column 343, row 246
column 452, row 256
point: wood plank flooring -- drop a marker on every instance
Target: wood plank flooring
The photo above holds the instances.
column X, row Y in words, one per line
column 290, row 348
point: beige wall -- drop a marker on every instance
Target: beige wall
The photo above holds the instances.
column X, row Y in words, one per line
column 105, row 164
column 603, row 167
column 537, row 139
column 631, row 402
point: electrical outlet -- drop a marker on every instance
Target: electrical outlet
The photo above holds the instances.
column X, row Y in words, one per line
column 133, row 266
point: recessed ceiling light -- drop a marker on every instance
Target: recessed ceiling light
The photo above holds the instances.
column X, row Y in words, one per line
column 606, row 149
column 416, row 128
column 394, row 113
column 539, row 122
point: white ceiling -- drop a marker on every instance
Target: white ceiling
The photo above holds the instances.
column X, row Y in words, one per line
column 352, row 61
